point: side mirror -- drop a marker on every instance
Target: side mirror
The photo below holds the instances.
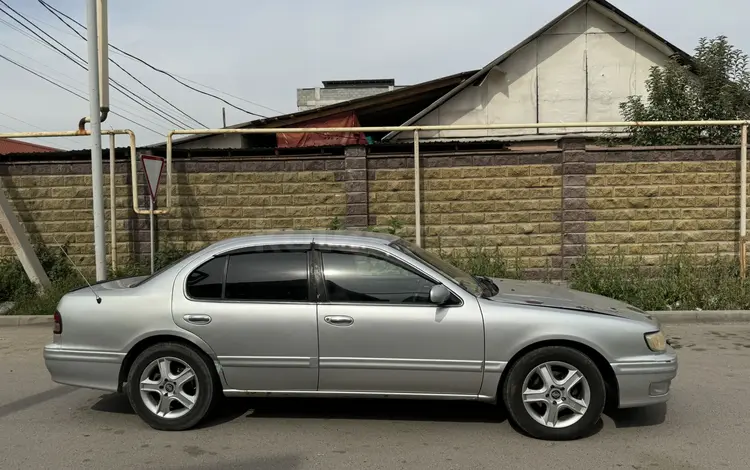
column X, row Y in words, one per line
column 439, row 294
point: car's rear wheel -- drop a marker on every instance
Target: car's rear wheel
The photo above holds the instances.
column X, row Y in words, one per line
column 555, row 393
column 170, row 386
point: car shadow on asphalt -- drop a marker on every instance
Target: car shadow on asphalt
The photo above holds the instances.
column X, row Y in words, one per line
column 230, row 409
column 639, row 417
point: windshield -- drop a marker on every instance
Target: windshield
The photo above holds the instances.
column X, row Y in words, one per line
column 467, row 281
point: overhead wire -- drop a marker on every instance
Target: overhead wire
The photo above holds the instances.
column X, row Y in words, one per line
column 62, row 87
column 128, row 73
column 30, row 125
column 138, row 59
column 83, row 64
column 59, row 73
column 229, row 94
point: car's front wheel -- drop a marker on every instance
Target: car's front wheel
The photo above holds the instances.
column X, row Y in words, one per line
column 170, row 386
column 555, row 393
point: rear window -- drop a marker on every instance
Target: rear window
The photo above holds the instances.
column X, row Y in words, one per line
column 159, row 271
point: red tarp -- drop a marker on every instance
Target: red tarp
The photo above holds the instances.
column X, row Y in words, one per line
column 287, row 140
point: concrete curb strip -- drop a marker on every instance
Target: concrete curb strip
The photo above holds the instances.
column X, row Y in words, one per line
column 25, row 320
column 713, row 316
column 666, row 317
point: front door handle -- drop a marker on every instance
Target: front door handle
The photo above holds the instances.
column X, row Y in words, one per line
column 198, row 319
column 339, row 320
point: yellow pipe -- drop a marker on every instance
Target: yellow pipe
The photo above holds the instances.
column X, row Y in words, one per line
column 743, row 202
column 112, row 203
column 540, row 125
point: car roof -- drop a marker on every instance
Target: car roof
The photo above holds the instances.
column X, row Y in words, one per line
column 348, row 237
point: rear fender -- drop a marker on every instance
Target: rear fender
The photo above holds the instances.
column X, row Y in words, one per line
column 188, row 337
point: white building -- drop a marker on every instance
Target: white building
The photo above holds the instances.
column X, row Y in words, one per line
column 337, row 91
column 577, row 68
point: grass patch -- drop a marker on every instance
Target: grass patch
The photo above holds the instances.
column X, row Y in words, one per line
column 485, row 262
column 677, row 282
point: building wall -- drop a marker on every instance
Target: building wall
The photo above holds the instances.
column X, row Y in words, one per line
column 544, row 208
column 225, row 141
column 578, row 71
column 311, row 98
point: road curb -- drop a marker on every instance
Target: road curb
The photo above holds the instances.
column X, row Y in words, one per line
column 25, row 320
column 713, row 316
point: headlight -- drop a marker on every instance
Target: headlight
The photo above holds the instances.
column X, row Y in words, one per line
column 656, row 341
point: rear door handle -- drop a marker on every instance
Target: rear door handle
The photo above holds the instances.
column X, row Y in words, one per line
column 339, row 320
column 198, row 319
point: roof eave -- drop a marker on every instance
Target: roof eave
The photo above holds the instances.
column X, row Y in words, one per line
column 345, row 106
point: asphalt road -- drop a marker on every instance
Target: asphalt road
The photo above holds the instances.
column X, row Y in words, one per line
column 44, row 425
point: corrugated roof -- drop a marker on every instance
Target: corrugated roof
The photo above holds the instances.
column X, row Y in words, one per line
column 614, row 13
column 8, row 146
column 399, row 95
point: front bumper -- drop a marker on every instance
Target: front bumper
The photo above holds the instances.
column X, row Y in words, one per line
column 90, row 369
column 646, row 383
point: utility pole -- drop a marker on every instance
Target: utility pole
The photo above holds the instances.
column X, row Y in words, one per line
column 224, row 116
column 97, row 179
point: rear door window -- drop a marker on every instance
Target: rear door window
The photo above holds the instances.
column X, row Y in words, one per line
column 280, row 276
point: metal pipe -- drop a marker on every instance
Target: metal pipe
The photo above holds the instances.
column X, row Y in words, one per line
column 103, row 45
column 112, row 203
column 417, row 192
column 31, row 135
column 133, row 153
column 100, row 249
column 743, row 202
column 540, row 125
column 169, row 170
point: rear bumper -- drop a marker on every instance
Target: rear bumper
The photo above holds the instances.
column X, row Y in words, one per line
column 645, row 383
column 90, row 369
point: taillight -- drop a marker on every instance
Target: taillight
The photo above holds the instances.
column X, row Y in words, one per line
column 57, row 328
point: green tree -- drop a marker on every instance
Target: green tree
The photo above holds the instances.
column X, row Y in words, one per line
column 716, row 86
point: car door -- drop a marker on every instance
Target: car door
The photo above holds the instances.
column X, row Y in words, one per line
column 255, row 308
column 379, row 333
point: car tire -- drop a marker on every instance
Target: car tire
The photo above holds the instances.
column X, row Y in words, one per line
column 173, row 401
column 531, row 373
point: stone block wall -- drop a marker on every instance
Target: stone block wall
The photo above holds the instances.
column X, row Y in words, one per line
column 211, row 199
column 651, row 202
column 544, row 208
column 508, row 200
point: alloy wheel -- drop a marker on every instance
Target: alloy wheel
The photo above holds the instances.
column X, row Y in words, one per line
column 169, row 387
column 556, row 394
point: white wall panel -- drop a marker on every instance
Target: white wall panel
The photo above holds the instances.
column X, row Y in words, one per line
column 611, row 75
column 562, row 79
column 580, row 70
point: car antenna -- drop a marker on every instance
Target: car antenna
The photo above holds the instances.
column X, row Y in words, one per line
column 98, row 299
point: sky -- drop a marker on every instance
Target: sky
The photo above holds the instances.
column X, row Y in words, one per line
column 261, row 51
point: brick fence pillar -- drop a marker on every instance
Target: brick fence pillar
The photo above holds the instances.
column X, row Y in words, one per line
column 355, row 184
column 575, row 209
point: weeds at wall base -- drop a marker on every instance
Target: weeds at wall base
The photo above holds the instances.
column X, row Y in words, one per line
column 681, row 281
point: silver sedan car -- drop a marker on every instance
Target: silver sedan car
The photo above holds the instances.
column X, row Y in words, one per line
column 350, row 314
